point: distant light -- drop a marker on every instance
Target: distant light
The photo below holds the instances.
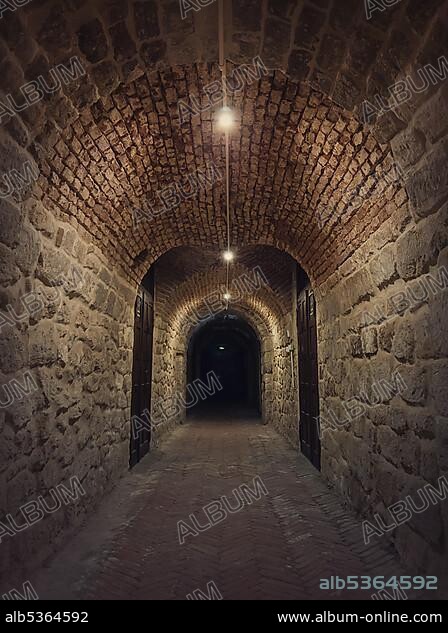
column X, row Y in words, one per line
column 228, row 256
column 221, row 347
column 225, row 119
column 227, row 296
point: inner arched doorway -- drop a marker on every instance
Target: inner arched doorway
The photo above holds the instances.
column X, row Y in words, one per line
column 229, row 347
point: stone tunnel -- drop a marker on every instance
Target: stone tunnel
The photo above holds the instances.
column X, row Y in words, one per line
column 143, row 378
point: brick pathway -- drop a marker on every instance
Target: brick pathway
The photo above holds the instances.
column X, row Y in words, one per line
column 277, row 547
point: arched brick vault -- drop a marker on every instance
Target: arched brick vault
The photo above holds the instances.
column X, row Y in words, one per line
column 282, row 181
column 112, row 139
column 189, row 291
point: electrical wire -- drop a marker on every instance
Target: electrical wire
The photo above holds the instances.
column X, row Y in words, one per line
column 222, row 65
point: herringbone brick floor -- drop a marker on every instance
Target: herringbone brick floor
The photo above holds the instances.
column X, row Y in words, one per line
column 277, row 547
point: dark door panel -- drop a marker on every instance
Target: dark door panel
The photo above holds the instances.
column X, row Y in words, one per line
column 308, row 375
column 142, row 371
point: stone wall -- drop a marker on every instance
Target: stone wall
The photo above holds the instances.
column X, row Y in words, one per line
column 385, row 311
column 285, row 404
column 73, row 337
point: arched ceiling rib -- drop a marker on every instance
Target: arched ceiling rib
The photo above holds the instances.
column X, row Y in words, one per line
column 190, row 289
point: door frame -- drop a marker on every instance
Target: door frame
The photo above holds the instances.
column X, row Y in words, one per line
column 308, row 371
column 142, row 368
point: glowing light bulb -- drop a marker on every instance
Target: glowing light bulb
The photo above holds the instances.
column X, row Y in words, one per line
column 228, row 256
column 227, row 296
column 225, row 119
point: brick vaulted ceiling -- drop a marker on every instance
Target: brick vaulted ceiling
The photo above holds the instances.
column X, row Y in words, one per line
column 185, row 268
column 108, row 142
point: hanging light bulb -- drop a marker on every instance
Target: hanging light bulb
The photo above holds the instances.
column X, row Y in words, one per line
column 225, row 119
column 228, row 256
column 227, row 296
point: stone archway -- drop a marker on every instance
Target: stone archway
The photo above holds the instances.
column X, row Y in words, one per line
column 228, row 347
column 260, row 296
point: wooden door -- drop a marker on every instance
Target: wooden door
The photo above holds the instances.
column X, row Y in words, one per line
column 142, row 372
column 308, row 375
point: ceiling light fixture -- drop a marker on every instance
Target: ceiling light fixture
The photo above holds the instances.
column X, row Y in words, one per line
column 228, row 256
column 225, row 119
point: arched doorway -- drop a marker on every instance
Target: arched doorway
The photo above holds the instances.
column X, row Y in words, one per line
column 229, row 347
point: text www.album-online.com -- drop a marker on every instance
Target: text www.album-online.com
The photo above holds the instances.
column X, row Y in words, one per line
column 386, row 616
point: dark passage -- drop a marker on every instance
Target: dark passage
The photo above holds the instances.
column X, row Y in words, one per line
column 228, row 346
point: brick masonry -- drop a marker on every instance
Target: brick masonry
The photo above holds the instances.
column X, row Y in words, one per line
column 112, row 139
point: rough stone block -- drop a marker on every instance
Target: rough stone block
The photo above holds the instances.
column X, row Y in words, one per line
column 124, row 46
column 40, row 217
column 92, row 41
column 146, row 19
column 153, row 52
column 369, row 337
column 276, row 42
column 431, row 323
column 441, row 430
column 438, row 387
column 403, row 345
column 44, row 342
column 428, row 467
column 386, row 335
column 428, row 186
column 355, row 346
column 432, row 118
column 359, row 287
column 299, row 64
column 13, row 351
column 9, row 273
column 27, row 250
column 11, row 223
column 53, row 266
column 408, row 146
column 383, row 267
column 416, row 384
column 389, row 444
column 419, row 248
